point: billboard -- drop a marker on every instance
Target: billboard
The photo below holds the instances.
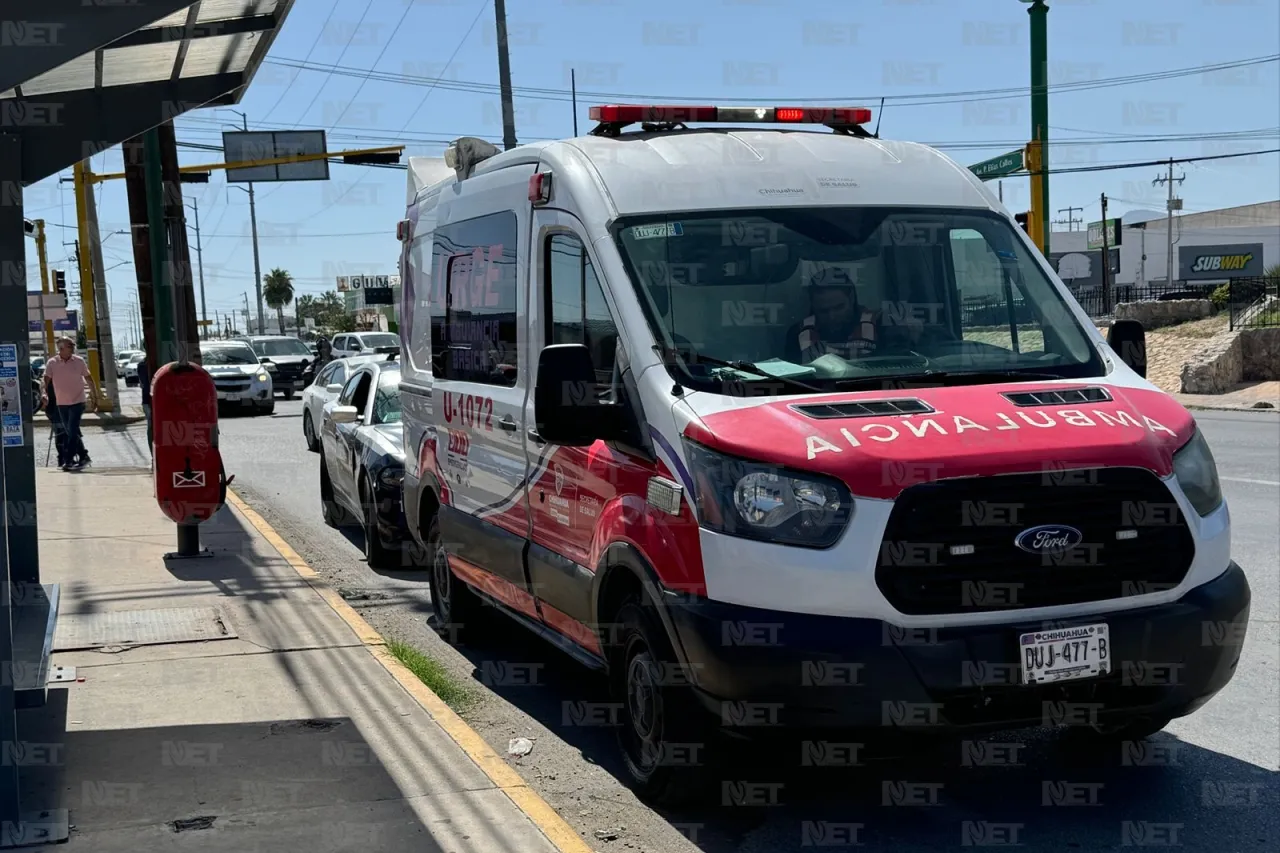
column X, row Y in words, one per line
column 349, row 283
column 1114, row 234
column 1083, row 269
column 241, row 146
column 1220, row 262
column 69, row 323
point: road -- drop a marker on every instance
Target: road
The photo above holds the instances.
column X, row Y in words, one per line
column 1221, row 794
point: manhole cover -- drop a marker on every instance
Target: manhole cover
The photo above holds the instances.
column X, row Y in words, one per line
column 141, row 628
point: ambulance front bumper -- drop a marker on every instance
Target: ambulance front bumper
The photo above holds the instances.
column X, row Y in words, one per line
column 762, row 670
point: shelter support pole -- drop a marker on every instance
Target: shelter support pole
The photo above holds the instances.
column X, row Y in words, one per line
column 140, row 228
column 179, row 272
column 161, row 289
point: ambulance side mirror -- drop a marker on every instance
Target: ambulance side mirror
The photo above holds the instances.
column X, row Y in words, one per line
column 1129, row 341
column 566, row 408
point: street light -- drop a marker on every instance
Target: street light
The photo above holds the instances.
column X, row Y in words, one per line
column 253, row 220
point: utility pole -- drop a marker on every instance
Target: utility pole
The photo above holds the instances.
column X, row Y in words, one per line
column 257, row 268
column 1106, row 260
column 1071, row 220
column 1000, row 189
column 106, row 343
column 204, row 309
column 1171, row 204
column 246, row 314
column 84, row 260
column 504, row 77
column 1039, row 13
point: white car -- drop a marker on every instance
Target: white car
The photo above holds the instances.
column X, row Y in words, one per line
column 324, row 390
column 364, row 343
column 122, row 360
column 238, row 376
column 131, row 369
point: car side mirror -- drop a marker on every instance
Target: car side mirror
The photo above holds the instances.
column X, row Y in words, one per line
column 566, row 409
column 333, row 389
column 344, row 414
column 1129, row 341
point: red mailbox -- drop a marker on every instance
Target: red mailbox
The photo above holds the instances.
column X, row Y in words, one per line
column 190, row 482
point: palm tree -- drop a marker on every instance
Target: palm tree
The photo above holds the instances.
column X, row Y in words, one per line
column 277, row 292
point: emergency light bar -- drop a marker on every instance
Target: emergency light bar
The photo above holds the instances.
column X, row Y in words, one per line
column 619, row 115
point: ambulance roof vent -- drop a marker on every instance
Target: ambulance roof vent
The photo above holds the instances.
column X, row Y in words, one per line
column 463, row 155
column 1054, row 397
column 865, row 409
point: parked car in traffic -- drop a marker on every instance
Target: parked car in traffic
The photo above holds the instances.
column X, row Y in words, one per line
column 364, row 343
column 241, row 381
column 362, row 461
column 122, row 360
column 284, row 357
column 131, row 369
column 324, row 389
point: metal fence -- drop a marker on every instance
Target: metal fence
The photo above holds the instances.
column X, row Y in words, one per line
column 1253, row 302
column 1097, row 305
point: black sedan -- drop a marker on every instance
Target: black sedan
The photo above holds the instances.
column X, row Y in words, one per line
column 362, row 462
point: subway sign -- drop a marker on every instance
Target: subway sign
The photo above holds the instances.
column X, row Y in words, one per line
column 1220, row 262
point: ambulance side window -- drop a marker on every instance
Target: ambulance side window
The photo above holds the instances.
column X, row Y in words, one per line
column 985, row 310
column 576, row 310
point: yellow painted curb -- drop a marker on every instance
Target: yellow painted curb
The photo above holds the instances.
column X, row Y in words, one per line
column 538, row 810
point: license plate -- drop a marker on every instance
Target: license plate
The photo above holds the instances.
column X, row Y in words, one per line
column 230, row 397
column 1065, row 654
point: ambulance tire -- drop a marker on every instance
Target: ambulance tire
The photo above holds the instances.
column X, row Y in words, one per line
column 656, row 716
column 455, row 607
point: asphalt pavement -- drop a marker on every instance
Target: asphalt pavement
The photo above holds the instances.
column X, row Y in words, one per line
column 1218, row 789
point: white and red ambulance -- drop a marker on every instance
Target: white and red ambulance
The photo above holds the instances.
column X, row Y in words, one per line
column 790, row 427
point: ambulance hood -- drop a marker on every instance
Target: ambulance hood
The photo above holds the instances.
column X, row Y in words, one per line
column 969, row 431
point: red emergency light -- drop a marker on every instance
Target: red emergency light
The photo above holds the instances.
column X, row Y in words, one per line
column 623, row 114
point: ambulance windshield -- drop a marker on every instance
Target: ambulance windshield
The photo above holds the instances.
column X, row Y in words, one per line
column 834, row 296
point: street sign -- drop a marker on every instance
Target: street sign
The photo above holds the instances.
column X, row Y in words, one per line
column 204, row 322
column 248, row 146
column 999, row 167
column 1094, row 235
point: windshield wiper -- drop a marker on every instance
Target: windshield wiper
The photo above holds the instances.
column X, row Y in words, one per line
column 942, row 377
column 746, row 367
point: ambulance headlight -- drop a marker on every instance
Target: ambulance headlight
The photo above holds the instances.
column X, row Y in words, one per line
column 756, row 500
column 1197, row 474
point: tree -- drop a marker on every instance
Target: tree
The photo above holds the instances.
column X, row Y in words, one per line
column 277, row 292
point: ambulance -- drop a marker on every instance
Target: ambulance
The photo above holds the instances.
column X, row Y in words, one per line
column 787, row 428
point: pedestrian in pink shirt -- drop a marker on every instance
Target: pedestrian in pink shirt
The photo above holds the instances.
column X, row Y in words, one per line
column 68, row 373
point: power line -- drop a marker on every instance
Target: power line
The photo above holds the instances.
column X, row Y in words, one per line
column 345, row 48
column 310, row 51
column 395, row 31
column 466, row 35
column 921, row 99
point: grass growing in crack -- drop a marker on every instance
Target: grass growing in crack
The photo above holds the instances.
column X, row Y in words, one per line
column 454, row 694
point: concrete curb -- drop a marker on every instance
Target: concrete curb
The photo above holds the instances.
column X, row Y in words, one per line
column 1204, row 408
column 101, row 423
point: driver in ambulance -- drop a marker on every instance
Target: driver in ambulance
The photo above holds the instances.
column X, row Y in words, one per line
column 839, row 325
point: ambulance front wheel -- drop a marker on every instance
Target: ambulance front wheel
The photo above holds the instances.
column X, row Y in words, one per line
column 454, row 605
column 666, row 738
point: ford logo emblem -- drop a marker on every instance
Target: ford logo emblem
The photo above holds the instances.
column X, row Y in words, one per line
column 1048, row 539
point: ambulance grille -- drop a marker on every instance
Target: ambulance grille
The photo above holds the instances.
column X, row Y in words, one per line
column 949, row 545
column 1058, row 398
column 864, row 409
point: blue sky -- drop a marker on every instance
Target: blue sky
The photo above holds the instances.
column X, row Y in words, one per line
column 761, row 51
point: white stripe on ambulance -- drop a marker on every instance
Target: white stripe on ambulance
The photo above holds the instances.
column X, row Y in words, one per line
column 919, row 428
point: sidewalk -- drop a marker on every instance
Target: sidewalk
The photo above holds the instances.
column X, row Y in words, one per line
column 124, row 414
column 226, row 704
column 1245, row 396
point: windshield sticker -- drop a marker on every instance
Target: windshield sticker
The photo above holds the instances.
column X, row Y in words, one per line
column 651, row 232
column 838, row 183
column 919, row 428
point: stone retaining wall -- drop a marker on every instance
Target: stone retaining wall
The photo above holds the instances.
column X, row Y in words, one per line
column 1155, row 313
column 1246, row 355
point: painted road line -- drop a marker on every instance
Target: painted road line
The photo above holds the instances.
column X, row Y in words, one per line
column 529, row 802
column 1247, row 480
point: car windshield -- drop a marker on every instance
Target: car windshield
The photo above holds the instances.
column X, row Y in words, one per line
column 137, row 357
column 280, row 346
column 379, row 340
column 824, row 298
column 386, row 402
column 225, row 354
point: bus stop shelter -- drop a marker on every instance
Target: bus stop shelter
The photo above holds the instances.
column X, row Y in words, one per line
column 76, row 78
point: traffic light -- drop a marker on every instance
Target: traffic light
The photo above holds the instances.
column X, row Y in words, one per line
column 193, row 177
column 372, row 158
column 1027, row 221
column 60, row 282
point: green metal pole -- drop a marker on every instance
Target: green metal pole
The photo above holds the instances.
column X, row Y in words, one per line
column 161, row 279
column 1039, row 13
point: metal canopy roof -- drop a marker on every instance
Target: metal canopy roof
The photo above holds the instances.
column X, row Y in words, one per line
column 98, row 72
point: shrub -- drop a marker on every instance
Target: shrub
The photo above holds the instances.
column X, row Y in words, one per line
column 1220, row 296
